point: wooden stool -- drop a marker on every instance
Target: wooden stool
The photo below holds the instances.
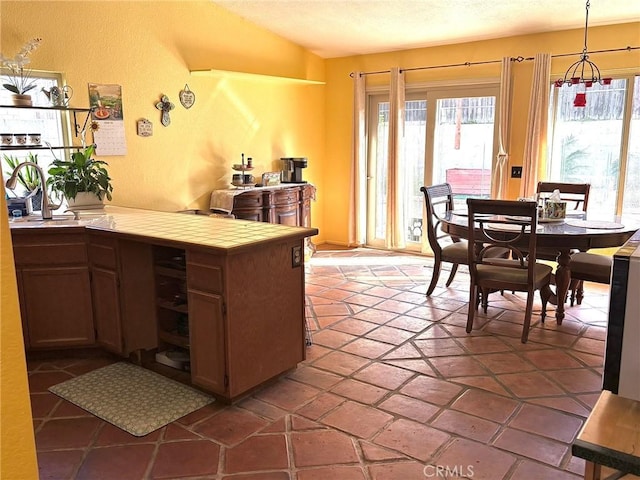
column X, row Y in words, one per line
column 610, row 437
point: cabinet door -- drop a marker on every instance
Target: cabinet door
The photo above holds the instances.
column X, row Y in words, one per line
column 106, row 309
column 57, row 303
column 288, row 215
column 206, row 332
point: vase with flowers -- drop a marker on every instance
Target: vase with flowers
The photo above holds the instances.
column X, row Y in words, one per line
column 18, row 79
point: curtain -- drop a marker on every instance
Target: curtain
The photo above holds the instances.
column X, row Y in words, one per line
column 357, row 186
column 535, row 148
column 395, row 209
column 500, row 173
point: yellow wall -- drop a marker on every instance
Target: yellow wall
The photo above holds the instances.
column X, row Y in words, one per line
column 149, row 49
column 339, row 91
column 17, row 446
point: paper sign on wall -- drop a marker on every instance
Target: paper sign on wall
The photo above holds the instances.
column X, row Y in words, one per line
column 106, row 101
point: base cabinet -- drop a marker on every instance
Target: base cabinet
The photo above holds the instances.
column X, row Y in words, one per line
column 106, row 312
column 236, row 316
column 57, row 306
column 122, row 293
column 54, row 286
column 206, row 331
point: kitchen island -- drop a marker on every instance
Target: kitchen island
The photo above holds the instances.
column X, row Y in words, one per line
column 228, row 294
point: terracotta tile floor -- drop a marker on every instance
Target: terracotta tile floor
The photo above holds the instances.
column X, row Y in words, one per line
column 392, row 388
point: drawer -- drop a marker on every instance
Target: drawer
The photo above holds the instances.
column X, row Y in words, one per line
column 45, row 255
column 204, row 272
column 248, row 200
column 286, row 197
column 103, row 253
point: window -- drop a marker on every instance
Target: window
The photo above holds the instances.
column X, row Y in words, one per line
column 449, row 137
column 598, row 144
column 53, row 125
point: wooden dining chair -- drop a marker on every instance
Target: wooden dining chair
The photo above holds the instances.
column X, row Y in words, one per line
column 587, row 266
column 505, row 224
column 575, row 194
column 439, row 201
column 590, row 267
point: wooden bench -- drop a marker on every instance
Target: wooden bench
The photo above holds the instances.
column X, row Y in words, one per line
column 610, row 437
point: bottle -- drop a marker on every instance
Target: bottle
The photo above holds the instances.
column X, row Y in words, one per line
column 249, row 162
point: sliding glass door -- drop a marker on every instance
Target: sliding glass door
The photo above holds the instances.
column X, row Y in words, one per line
column 598, row 144
column 449, row 136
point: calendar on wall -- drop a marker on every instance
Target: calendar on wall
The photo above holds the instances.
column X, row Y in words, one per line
column 107, row 113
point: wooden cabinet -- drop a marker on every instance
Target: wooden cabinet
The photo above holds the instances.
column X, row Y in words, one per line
column 206, row 330
column 236, row 313
column 105, row 291
column 54, row 287
column 284, row 205
column 106, row 313
column 122, row 292
column 205, row 286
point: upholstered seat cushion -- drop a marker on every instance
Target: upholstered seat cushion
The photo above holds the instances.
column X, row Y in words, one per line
column 502, row 274
column 591, row 267
column 457, row 253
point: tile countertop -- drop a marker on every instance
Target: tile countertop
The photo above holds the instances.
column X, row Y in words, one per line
column 200, row 230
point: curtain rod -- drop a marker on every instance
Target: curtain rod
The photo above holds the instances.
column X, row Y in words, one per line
column 513, row 59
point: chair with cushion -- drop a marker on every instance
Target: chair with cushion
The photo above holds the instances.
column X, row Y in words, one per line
column 439, row 201
column 504, row 224
column 577, row 197
column 575, row 194
column 589, row 267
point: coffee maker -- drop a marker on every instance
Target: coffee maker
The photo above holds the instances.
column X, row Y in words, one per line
column 292, row 169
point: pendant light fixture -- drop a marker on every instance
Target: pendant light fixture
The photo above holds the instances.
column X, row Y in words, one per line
column 584, row 71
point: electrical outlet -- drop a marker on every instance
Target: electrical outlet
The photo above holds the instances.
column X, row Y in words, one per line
column 516, row 172
column 296, row 256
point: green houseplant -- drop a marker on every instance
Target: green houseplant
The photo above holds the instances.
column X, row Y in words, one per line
column 28, row 176
column 80, row 174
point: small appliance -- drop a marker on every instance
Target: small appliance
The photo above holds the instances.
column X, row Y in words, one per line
column 292, row 169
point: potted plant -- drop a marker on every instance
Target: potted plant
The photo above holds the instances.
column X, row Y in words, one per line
column 19, row 81
column 82, row 180
column 27, row 177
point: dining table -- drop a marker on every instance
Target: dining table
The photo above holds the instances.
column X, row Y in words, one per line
column 577, row 231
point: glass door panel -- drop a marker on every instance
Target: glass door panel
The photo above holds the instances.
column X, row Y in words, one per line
column 449, row 136
column 464, row 145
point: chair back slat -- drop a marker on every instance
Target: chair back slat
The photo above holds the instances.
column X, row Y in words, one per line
column 502, row 224
column 575, row 194
column 438, row 201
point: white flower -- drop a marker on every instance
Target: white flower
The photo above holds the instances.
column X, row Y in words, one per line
column 20, row 81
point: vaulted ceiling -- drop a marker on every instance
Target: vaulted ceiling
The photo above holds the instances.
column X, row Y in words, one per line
column 338, row 28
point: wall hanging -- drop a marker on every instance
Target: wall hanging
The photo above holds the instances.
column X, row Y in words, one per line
column 187, row 97
column 145, row 127
column 165, row 106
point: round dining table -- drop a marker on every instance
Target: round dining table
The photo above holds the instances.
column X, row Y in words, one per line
column 575, row 232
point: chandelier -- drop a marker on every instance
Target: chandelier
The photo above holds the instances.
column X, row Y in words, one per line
column 583, row 72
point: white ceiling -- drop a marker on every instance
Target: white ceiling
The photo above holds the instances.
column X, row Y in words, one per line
column 339, row 28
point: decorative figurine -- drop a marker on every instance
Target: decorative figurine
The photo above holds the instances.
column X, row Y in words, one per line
column 187, row 97
column 165, row 106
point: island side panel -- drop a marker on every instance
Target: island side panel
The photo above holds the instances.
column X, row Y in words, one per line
column 265, row 314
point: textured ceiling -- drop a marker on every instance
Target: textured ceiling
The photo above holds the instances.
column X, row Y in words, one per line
column 338, row 28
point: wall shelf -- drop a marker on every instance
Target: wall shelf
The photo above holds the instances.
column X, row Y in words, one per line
column 253, row 76
column 73, row 110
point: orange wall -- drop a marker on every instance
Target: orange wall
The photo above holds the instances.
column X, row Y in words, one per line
column 339, row 91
